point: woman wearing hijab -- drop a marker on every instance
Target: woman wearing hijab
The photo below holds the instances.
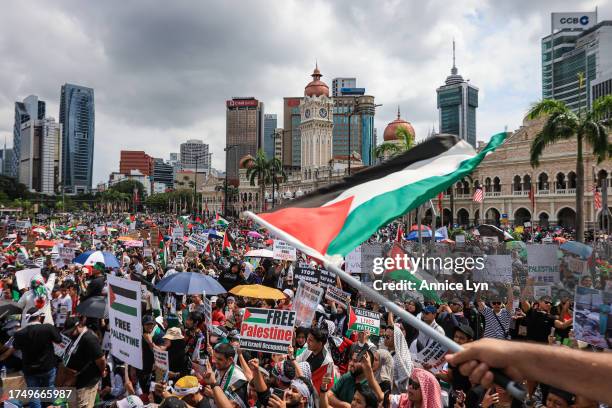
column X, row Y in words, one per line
column 383, row 369
column 423, row 392
column 339, row 346
column 402, row 361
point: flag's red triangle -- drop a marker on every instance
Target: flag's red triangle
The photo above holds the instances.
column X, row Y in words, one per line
column 352, row 317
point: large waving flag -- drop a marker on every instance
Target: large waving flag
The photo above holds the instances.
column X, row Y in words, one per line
column 335, row 219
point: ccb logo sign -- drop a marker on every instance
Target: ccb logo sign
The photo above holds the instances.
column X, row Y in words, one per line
column 584, row 20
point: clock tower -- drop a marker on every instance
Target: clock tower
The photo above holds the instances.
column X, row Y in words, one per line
column 316, row 127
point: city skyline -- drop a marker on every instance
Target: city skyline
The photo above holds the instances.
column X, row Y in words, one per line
column 156, row 89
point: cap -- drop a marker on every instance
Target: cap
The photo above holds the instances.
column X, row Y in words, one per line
column 429, row 309
column 231, row 299
column 173, row 333
column 148, row 319
column 131, row 401
column 186, row 385
column 465, row 329
column 289, row 293
column 172, row 402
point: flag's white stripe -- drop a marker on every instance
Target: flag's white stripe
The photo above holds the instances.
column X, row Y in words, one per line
column 440, row 165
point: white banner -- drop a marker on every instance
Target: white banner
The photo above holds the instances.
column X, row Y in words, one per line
column 306, row 300
column 577, row 265
column 197, row 242
column 24, row 277
column 283, row 251
column 352, row 262
column 177, row 234
column 543, row 263
column 161, row 359
column 124, row 297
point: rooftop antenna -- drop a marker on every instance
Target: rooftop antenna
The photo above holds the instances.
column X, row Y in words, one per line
column 454, row 69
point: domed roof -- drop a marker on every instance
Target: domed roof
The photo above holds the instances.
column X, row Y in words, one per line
column 246, row 162
column 391, row 129
column 316, row 87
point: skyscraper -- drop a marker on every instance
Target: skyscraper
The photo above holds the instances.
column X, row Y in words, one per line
column 583, row 48
column 77, row 116
column 194, row 155
column 244, row 131
column 339, row 83
column 457, row 103
column 40, row 155
column 359, row 110
column 270, row 122
column 30, row 109
column 163, row 173
column 135, row 160
column 291, row 134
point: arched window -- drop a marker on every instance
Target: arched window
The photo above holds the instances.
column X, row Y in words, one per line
column 543, row 181
column 516, row 185
column 571, row 180
column 561, row 185
column 250, row 196
column 526, row 182
column 459, row 188
column 466, row 187
column 602, row 177
column 488, row 184
column 497, row 185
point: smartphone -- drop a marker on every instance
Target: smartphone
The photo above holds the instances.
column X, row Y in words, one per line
column 278, row 392
column 361, row 354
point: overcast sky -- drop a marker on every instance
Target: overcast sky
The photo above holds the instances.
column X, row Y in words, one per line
column 162, row 70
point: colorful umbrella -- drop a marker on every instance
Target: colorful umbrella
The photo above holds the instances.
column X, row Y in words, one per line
column 125, row 238
column 190, row 283
column 260, row 253
column 577, row 248
column 415, row 227
column 45, row 243
column 93, row 257
column 258, row 292
column 254, row 234
column 133, row 244
column 426, row 235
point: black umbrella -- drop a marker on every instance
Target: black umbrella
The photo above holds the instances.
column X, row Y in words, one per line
column 95, row 306
column 487, row 230
column 8, row 309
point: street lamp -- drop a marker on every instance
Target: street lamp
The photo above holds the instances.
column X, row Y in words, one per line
column 227, row 149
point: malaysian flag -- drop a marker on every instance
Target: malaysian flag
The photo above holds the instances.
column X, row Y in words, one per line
column 478, row 195
column 597, row 197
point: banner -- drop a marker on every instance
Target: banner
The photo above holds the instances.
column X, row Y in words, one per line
column 161, row 360
column 543, row 263
column 307, row 298
column 338, row 295
column 65, row 254
column 583, row 21
column 177, row 234
column 267, row 330
column 593, row 317
column 24, row 277
column 312, row 274
column 352, row 262
column 369, row 252
column 60, row 348
column 283, row 251
column 431, row 357
column 124, row 297
column 364, row 319
column 198, row 242
column 498, row 268
column 577, row 265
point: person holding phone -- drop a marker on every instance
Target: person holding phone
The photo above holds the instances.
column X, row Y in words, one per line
column 359, row 373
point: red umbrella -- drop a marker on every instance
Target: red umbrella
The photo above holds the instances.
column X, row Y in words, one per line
column 415, row 227
column 45, row 243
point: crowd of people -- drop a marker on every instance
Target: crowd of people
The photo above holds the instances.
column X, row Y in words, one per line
column 47, row 342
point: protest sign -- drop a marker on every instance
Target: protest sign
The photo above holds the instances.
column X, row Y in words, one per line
column 161, row 359
column 24, row 277
column 369, row 252
column 542, row 290
column 593, row 317
column 352, row 262
column 337, row 295
column 101, row 230
column 364, row 319
column 179, row 257
column 577, row 265
column 124, row 297
column 66, row 254
column 305, row 302
column 460, row 240
column 498, row 268
column 283, row 251
column 431, row 357
column 23, row 224
column 197, row 242
column 60, row 348
column 177, row 234
column 267, row 330
column 543, row 263
column 314, row 275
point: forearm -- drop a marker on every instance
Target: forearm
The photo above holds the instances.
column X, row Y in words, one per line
column 245, row 367
column 335, row 402
column 221, row 400
column 579, row 372
column 374, row 385
column 258, row 381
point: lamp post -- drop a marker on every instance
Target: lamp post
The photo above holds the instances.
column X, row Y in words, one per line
column 227, row 149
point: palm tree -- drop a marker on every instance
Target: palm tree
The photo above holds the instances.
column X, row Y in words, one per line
column 406, row 142
column 258, row 168
column 590, row 125
column 277, row 174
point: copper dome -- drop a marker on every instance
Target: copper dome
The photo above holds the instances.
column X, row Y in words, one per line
column 391, row 129
column 316, row 87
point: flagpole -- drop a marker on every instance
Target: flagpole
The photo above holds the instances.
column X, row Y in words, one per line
column 501, row 379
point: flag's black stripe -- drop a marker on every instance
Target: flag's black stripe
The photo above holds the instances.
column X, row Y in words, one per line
column 428, row 149
column 126, row 293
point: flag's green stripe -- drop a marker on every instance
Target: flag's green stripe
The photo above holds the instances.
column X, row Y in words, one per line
column 366, row 219
column 256, row 320
column 404, row 275
column 125, row 309
column 126, row 293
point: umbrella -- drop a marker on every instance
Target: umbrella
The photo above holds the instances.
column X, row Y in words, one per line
column 190, row 283
column 9, row 308
column 134, row 244
column 92, row 257
column 95, row 307
column 487, row 230
column 560, row 240
column 258, row 292
column 260, row 253
column 254, row 234
column 125, row 238
column 415, row 227
column 577, row 248
column 213, row 234
column 414, row 235
column 45, row 243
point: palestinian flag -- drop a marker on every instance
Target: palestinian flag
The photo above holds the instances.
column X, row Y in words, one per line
column 221, row 221
column 399, row 273
column 400, row 234
column 228, row 242
column 123, row 300
column 252, row 315
column 336, row 219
